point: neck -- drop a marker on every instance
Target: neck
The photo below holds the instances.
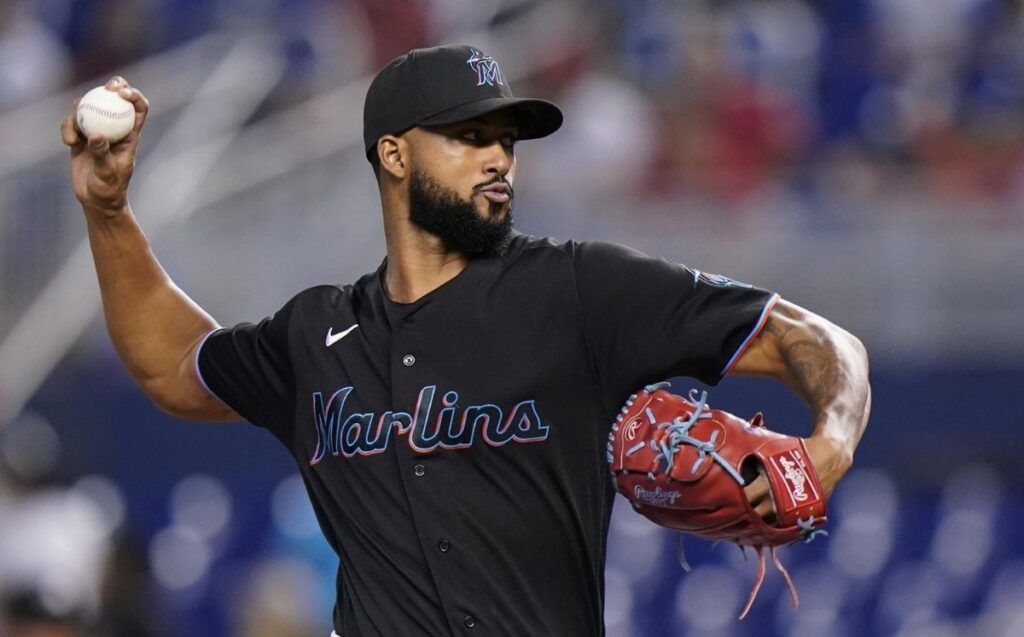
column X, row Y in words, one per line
column 418, row 262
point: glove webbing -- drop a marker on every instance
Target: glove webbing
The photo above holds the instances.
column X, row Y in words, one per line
column 678, row 433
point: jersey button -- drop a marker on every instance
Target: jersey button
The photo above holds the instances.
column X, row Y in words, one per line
column 408, row 360
column 419, row 470
column 444, row 546
column 469, row 621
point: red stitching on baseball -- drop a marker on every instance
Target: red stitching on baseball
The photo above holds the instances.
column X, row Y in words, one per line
column 105, row 112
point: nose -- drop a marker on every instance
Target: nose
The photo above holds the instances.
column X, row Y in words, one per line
column 498, row 159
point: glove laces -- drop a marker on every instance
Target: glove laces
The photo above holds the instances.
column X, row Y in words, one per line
column 678, row 434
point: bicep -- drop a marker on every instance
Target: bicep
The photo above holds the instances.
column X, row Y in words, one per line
column 185, row 395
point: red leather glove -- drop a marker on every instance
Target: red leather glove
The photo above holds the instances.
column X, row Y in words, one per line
column 684, row 465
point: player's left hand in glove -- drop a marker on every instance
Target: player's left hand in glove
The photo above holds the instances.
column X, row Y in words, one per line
column 685, row 466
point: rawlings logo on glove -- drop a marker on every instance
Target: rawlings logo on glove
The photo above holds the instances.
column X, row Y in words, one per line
column 684, row 466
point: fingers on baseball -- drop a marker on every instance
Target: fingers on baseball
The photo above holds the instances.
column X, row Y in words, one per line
column 116, row 83
column 140, row 103
column 99, row 148
column 69, row 133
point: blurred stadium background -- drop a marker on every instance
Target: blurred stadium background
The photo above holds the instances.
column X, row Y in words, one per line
column 865, row 158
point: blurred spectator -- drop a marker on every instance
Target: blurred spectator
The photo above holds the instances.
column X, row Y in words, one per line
column 52, row 540
column 128, row 607
column 324, row 43
column 598, row 154
column 734, row 121
column 277, row 600
column 59, row 573
column 395, row 26
column 847, row 65
column 33, row 61
column 110, row 34
column 26, row 614
column 896, row 115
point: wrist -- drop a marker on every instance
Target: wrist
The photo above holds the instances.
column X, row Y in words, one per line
column 105, row 213
column 112, row 226
column 840, row 448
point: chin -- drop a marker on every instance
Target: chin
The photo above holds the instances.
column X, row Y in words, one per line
column 497, row 211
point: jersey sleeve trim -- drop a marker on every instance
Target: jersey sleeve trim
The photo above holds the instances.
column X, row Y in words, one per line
column 195, row 362
column 753, row 333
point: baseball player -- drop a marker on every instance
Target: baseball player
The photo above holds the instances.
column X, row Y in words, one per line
column 449, row 412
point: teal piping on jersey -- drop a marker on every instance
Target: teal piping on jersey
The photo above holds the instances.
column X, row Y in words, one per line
column 753, row 333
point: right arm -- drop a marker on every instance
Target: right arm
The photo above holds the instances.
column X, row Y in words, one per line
column 155, row 327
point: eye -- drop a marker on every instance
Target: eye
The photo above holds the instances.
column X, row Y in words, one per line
column 509, row 141
column 471, row 135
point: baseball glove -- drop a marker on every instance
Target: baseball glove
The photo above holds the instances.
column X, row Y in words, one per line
column 684, row 466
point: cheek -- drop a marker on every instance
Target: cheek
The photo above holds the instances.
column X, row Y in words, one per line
column 454, row 167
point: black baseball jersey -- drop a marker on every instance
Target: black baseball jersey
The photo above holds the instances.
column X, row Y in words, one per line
column 454, row 448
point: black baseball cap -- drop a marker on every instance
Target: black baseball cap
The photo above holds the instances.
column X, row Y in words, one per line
column 443, row 85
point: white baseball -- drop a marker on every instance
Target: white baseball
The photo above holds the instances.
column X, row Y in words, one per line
column 106, row 113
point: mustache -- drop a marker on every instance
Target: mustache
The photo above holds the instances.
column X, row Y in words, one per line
column 499, row 180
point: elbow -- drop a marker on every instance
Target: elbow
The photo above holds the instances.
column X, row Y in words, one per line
column 185, row 401
column 158, row 388
column 847, row 345
column 855, row 343
column 859, row 362
column 165, row 396
column 859, row 351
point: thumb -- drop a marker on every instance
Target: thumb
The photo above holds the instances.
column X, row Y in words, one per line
column 98, row 144
column 99, row 148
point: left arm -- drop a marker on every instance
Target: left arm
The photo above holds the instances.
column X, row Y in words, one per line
column 827, row 367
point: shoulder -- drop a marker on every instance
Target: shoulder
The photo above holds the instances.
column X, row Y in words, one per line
column 533, row 247
column 521, row 244
column 539, row 259
column 315, row 302
column 586, row 255
column 607, row 251
column 325, row 295
column 602, row 255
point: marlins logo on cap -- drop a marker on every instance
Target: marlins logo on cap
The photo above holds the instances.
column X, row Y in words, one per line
column 416, row 89
column 486, row 69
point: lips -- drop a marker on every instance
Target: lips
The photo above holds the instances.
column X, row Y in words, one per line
column 497, row 192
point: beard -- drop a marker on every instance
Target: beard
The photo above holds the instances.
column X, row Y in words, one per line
column 440, row 211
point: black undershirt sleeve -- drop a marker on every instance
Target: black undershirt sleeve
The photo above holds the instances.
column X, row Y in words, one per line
column 649, row 319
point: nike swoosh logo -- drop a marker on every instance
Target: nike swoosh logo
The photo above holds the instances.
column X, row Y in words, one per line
column 334, row 338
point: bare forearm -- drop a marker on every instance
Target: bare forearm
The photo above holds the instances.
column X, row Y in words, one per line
column 155, row 327
column 151, row 322
column 828, row 368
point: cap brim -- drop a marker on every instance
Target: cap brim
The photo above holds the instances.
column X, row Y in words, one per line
column 534, row 118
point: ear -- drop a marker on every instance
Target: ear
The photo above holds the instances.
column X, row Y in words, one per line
column 393, row 155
